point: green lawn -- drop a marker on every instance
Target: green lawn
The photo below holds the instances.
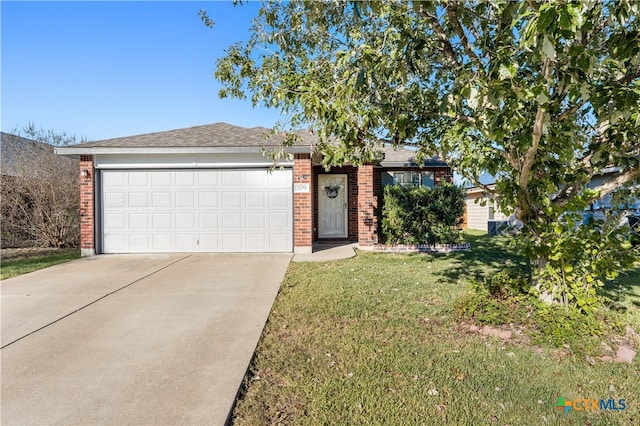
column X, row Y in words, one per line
column 375, row 340
column 13, row 268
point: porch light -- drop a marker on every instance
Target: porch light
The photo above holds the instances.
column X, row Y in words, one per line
column 85, row 173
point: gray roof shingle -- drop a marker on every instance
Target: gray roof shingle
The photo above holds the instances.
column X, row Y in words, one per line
column 406, row 158
column 218, row 135
column 223, row 137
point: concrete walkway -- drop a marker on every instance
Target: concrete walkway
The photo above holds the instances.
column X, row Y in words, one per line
column 325, row 252
column 133, row 339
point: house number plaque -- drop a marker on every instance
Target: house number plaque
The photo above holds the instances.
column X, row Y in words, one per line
column 300, row 188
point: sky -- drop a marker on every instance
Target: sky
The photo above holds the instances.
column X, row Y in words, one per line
column 101, row 70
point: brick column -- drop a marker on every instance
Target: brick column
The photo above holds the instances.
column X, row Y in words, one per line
column 367, row 203
column 302, row 204
column 87, row 240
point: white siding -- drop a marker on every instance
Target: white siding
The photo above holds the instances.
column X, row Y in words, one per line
column 477, row 215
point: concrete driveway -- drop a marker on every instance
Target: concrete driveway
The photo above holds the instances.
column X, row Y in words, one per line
column 133, row 339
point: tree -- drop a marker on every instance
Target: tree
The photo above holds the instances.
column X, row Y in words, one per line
column 40, row 196
column 541, row 94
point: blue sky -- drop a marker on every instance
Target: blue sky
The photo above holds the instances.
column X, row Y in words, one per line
column 109, row 69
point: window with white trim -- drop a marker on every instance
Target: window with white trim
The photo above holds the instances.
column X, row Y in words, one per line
column 414, row 179
column 406, row 178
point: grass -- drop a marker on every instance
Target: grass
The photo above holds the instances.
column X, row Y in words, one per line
column 13, row 268
column 375, row 340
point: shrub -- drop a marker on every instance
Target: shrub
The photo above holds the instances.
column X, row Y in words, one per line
column 40, row 199
column 419, row 215
column 576, row 258
column 499, row 299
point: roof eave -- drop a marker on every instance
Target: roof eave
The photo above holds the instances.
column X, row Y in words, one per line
column 76, row 151
column 411, row 164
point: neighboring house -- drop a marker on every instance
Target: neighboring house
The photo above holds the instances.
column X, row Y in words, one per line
column 597, row 209
column 11, row 146
column 209, row 188
column 482, row 212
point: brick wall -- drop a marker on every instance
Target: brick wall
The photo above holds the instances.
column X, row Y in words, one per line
column 367, row 207
column 87, row 244
column 303, row 205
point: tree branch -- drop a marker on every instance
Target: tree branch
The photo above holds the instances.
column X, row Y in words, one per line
column 443, row 38
column 571, row 111
column 618, row 181
column 538, row 125
column 453, row 17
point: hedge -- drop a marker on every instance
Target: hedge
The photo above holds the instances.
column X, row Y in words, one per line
column 420, row 215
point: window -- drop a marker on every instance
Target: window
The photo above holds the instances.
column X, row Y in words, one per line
column 492, row 209
column 414, row 179
column 406, row 178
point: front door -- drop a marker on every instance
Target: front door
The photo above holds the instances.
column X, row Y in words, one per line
column 332, row 206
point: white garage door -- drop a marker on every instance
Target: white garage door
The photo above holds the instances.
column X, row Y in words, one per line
column 197, row 210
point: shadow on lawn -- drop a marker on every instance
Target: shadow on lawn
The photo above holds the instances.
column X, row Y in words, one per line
column 488, row 255
column 626, row 286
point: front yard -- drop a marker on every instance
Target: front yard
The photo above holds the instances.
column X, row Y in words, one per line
column 376, row 340
column 16, row 262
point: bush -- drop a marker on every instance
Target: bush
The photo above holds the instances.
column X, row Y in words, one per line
column 40, row 197
column 576, row 258
column 507, row 297
column 419, row 215
column 499, row 299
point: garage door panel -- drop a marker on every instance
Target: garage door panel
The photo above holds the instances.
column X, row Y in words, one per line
column 184, row 179
column 197, row 210
column 114, row 200
column 232, row 242
column 114, row 179
column 161, row 199
column 186, row 242
column 279, row 199
column 115, row 221
column 185, row 199
column 232, row 178
column 279, row 180
column 116, row 243
column 162, row 221
column 209, row 220
column 139, row 242
column 255, row 220
column 278, row 220
column 255, row 242
column 280, row 242
column 210, row 242
column 231, row 199
column 137, row 179
column 232, row 220
column 186, row 221
column 161, row 179
column 207, row 178
column 138, row 199
column 138, row 221
column 254, row 199
column 208, row 199
column 255, row 178
column 161, row 242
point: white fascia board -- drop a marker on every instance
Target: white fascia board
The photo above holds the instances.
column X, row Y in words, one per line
column 184, row 161
column 407, row 164
column 75, row 151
